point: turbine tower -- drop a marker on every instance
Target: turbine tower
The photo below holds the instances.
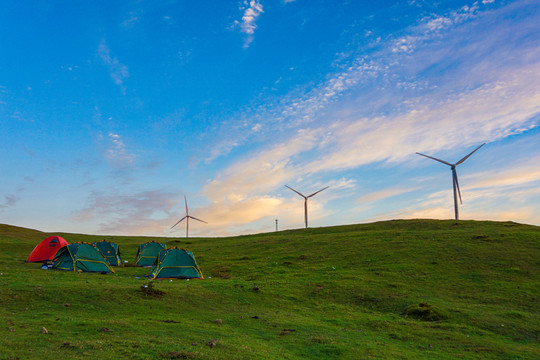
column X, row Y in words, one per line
column 306, row 199
column 187, row 217
column 454, row 177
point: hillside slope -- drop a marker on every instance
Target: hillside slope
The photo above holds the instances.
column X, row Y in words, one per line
column 346, row 292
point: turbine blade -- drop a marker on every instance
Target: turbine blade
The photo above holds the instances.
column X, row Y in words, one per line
column 465, row 158
column 439, row 160
column 179, row 221
column 185, row 200
column 295, row 191
column 457, row 185
column 194, row 218
column 315, row 193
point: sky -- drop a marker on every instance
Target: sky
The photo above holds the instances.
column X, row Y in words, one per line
column 112, row 111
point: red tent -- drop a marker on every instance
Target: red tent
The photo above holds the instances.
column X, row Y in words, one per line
column 46, row 249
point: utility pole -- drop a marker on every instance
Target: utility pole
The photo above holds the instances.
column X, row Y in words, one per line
column 276, row 224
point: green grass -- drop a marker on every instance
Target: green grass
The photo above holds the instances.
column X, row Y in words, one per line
column 346, row 292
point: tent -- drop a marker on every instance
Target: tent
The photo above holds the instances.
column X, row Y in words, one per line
column 176, row 263
column 111, row 252
column 147, row 253
column 81, row 256
column 46, row 249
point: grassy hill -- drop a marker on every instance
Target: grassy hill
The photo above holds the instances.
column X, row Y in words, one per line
column 416, row 289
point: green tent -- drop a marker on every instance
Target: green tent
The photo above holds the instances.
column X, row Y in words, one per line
column 111, row 252
column 81, row 256
column 175, row 263
column 147, row 253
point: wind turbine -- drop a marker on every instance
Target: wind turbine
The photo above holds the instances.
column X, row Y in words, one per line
column 454, row 177
column 305, row 200
column 187, row 217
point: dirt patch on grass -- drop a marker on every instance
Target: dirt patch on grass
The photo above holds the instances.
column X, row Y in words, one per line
column 425, row 312
column 319, row 339
column 149, row 290
column 223, row 272
column 317, row 288
column 178, row 355
column 130, row 265
column 482, row 237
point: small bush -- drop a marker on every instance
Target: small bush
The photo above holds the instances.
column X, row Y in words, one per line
column 425, row 312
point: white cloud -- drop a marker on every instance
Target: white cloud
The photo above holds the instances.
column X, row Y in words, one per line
column 504, row 178
column 261, row 172
column 492, row 112
column 116, row 153
column 118, row 71
column 432, row 26
column 131, row 20
column 252, row 10
column 250, row 16
column 438, row 23
column 342, row 184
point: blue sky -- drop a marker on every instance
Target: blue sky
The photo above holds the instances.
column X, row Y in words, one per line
column 111, row 112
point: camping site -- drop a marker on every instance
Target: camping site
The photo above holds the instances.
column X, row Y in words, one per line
column 416, row 289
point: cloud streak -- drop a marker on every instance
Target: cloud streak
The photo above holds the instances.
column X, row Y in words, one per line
column 141, row 213
column 118, row 71
column 385, row 194
column 117, row 154
column 9, row 201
